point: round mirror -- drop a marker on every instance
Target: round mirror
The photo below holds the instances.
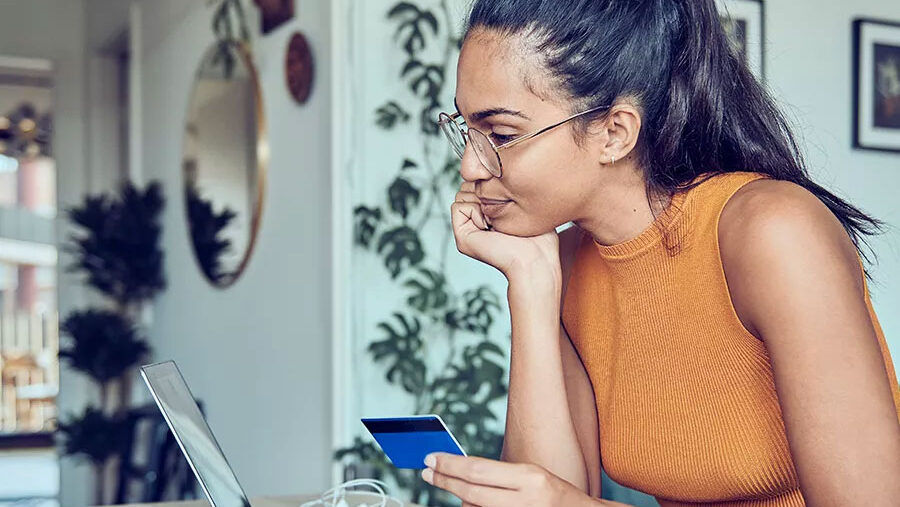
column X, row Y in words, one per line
column 225, row 156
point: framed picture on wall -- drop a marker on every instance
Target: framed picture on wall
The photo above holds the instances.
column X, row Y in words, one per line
column 744, row 22
column 876, row 85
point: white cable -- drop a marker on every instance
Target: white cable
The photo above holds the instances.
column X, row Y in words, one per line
column 335, row 497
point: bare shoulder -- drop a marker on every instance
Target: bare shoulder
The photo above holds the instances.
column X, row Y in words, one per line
column 775, row 213
column 772, row 233
column 769, row 200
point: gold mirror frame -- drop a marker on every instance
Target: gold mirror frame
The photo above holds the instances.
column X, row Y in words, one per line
column 242, row 50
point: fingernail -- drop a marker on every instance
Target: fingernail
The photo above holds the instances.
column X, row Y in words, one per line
column 430, row 461
column 428, row 475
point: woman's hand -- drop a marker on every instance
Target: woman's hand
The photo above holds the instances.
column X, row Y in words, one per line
column 509, row 254
column 488, row 483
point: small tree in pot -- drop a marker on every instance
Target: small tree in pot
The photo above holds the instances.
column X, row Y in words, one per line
column 117, row 248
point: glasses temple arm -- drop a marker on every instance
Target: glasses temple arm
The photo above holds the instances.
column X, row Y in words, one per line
column 551, row 127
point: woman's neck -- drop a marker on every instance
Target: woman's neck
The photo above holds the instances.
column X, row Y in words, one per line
column 619, row 210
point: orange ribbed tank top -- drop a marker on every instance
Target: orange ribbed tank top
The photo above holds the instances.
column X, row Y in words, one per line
column 686, row 399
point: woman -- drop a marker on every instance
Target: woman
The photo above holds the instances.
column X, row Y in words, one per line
column 705, row 327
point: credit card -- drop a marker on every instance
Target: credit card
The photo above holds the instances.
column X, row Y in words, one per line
column 407, row 440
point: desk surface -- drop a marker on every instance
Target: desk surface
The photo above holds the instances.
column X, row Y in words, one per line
column 268, row 501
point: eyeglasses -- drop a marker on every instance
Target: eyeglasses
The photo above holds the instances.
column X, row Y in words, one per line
column 487, row 152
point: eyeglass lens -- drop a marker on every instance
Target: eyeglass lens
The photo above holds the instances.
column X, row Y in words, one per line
column 485, row 152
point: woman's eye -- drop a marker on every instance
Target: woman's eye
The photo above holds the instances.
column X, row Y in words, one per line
column 501, row 139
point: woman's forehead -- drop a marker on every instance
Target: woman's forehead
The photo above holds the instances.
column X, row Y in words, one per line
column 494, row 73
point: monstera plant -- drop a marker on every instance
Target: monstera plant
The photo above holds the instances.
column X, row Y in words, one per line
column 466, row 380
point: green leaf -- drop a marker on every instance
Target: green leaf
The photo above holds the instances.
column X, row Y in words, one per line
column 94, row 435
column 401, row 9
column 426, row 81
column 410, row 66
column 401, row 248
column 390, row 114
column 429, row 291
column 464, row 393
column 403, row 339
column 101, row 344
column 487, row 347
column 400, row 349
column 428, row 115
column 117, row 243
column 403, row 196
column 411, row 374
column 428, row 17
column 477, row 313
column 411, row 27
column 367, row 221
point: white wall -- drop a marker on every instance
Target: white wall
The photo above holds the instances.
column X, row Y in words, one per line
column 258, row 353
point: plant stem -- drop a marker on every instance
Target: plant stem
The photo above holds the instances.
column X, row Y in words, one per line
column 417, row 488
column 99, row 483
column 104, row 396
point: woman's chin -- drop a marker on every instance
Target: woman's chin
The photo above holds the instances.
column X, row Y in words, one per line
column 517, row 228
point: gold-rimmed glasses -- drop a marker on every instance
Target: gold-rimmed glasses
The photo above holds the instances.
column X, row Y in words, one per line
column 487, row 152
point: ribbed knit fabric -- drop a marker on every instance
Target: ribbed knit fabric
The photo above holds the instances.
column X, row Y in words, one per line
column 686, row 399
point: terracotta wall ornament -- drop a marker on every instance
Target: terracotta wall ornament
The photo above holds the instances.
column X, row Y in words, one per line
column 274, row 13
column 299, row 69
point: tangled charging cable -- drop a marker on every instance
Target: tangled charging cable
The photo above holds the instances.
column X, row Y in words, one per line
column 336, row 496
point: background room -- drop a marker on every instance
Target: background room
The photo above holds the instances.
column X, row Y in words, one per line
column 257, row 189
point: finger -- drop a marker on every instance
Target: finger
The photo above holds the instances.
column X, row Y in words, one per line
column 467, row 186
column 471, row 197
column 462, row 196
column 475, row 494
column 463, row 212
column 482, row 471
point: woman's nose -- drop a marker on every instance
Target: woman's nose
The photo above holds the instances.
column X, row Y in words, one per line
column 471, row 168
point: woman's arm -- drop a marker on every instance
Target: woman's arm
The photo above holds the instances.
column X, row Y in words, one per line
column 551, row 418
column 800, row 289
column 539, row 426
column 583, row 408
column 554, row 461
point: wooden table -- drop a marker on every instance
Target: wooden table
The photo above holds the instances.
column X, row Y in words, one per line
column 272, row 501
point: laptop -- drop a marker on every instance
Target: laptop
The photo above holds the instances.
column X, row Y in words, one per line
column 193, row 435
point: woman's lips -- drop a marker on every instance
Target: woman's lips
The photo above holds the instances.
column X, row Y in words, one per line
column 493, row 207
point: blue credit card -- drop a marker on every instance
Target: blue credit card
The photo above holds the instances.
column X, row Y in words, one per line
column 407, row 440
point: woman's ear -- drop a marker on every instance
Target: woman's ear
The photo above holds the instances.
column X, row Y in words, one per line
column 620, row 131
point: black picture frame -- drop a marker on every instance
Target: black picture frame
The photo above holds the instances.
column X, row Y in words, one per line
column 750, row 18
column 876, row 126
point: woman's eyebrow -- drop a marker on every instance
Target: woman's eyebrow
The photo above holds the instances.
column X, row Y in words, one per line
column 487, row 113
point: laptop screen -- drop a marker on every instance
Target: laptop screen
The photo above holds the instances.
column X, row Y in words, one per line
column 193, row 435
